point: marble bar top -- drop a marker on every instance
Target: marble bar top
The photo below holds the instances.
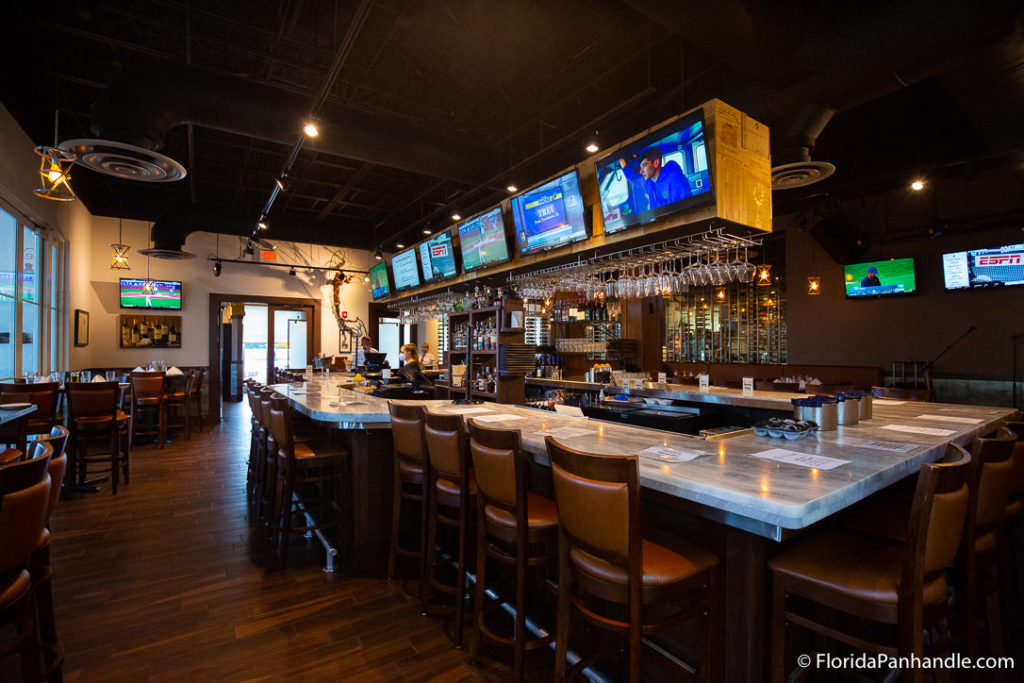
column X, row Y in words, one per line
column 725, row 482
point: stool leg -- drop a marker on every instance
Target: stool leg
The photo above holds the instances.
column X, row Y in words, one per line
column 428, row 495
column 161, row 413
column 481, row 578
column 126, row 455
column 429, row 558
column 460, row 579
column 709, row 638
column 519, row 632
column 778, row 617
column 564, row 618
column 115, row 457
column 396, row 509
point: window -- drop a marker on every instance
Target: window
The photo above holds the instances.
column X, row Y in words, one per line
column 33, row 312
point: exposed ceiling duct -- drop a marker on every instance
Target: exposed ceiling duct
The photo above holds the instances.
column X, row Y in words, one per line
column 793, row 65
column 142, row 106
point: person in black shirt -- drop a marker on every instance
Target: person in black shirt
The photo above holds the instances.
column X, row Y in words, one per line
column 412, row 370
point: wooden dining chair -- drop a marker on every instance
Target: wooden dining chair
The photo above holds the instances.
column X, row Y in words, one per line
column 177, row 395
column 149, row 401
column 612, row 576
column 94, row 414
column 195, row 398
column 876, row 580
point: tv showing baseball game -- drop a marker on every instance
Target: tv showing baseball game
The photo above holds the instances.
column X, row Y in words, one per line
column 158, row 294
column 550, row 215
column 659, row 174
column 379, row 285
column 894, row 277
column 437, row 257
column 984, row 268
column 405, row 270
column 482, row 240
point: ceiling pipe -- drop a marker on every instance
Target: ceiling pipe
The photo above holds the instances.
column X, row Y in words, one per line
column 142, row 106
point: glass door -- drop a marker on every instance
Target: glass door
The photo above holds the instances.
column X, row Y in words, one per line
column 289, row 338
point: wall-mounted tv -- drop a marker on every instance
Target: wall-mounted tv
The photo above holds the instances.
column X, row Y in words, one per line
column 437, row 256
column 161, row 294
column 880, row 278
column 379, row 285
column 483, row 241
column 661, row 173
column 405, row 270
column 984, row 268
column 549, row 215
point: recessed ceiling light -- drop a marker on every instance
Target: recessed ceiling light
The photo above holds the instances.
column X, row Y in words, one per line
column 917, row 185
column 399, row 245
column 592, row 147
column 456, row 216
column 311, row 130
column 426, row 231
column 512, row 188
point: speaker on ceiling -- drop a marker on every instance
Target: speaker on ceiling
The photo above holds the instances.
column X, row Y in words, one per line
column 840, row 238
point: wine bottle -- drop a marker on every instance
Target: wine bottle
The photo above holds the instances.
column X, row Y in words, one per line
column 135, row 333
column 126, row 333
column 172, row 336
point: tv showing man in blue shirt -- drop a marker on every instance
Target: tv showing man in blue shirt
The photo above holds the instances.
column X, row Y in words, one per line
column 662, row 184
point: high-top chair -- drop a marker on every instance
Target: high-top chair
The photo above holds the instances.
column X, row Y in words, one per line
column 515, row 527
column 901, row 394
column 195, row 397
column 604, row 560
column 1015, row 511
column 44, row 396
column 266, row 470
column 983, row 547
column 875, row 579
column 410, row 482
column 93, row 413
column 308, row 480
column 452, row 486
column 24, row 495
column 39, row 564
column 148, row 399
column 256, row 442
column 176, row 400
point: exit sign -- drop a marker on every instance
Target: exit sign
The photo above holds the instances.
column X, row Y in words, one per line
column 268, row 255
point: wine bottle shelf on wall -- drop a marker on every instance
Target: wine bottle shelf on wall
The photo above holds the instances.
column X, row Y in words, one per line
column 150, row 331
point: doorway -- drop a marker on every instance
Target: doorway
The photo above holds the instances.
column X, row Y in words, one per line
column 391, row 335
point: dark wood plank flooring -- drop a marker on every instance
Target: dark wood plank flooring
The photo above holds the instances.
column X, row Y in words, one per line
column 168, row 581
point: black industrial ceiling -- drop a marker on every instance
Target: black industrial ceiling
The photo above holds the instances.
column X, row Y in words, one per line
column 435, row 106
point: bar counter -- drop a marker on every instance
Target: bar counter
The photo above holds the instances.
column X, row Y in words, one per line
column 732, row 502
column 730, row 485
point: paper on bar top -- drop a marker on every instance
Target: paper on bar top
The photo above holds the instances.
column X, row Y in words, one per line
column 803, row 459
column 468, row 410
column 886, row 402
column 930, row 431
column 950, row 418
column 878, row 444
column 500, row 417
column 668, row 454
column 566, row 432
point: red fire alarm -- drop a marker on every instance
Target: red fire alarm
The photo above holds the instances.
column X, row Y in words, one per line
column 344, row 315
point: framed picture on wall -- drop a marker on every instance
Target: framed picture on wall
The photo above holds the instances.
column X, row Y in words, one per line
column 345, row 343
column 81, row 327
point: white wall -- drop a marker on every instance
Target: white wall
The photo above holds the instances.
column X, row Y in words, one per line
column 199, row 281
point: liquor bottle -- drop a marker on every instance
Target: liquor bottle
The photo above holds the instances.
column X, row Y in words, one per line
column 490, row 382
column 135, row 333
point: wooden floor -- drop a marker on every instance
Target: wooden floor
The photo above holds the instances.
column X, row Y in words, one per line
column 168, row 581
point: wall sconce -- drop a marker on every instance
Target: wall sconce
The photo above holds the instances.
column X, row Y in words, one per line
column 814, row 285
column 764, row 275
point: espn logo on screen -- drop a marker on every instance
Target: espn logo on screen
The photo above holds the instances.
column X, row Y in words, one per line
column 1000, row 259
column 438, row 251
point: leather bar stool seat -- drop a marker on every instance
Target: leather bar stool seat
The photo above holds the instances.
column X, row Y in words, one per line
column 449, row 493
column 516, row 528
column 411, row 473
column 409, row 486
column 874, row 579
column 613, row 577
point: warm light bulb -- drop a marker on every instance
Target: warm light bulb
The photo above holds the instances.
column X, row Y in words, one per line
column 426, row 232
column 311, row 130
column 399, row 245
column 55, row 173
column 512, row 188
column 366, row 279
column 592, row 147
column 917, row 185
column 456, row 216
column 262, row 225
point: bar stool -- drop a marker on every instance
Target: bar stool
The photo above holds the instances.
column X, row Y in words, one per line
column 308, row 480
column 256, row 442
column 44, row 396
column 266, row 471
column 39, row 563
column 148, row 399
column 1015, row 511
column 24, row 495
column 873, row 579
column 195, row 397
column 509, row 514
column 177, row 400
column 410, row 478
column 452, row 486
column 93, row 413
column 983, row 546
column 604, row 560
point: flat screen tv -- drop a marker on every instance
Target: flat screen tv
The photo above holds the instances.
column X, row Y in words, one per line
column 984, row 268
column 162, row 294
column 405, row 270
column 549, row 215
column 880, row 278
column 659, row 174
column 437, row 257
column 379, row 285
column 483, row 241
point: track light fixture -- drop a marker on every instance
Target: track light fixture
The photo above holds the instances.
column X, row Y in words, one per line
column 456, row 216
column 280, row 182
column 379, row 255
column 292, row 272
column 311, row 130
column 512, row 188
column 263, row 225
column 217, row 267
column 399, row 245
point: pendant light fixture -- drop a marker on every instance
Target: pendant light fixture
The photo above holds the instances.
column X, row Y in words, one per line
column 764, row 275
column 119, row 259
column 814, row 285
column 55, row 169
